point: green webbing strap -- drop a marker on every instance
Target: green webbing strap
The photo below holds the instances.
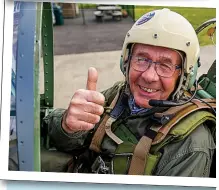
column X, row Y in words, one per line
column 152, row 161
column 122, row 158
column 179, row 132
column 183, row 128
column 194, row 120
column 124, row 155
column 47, row 47
column 124, row 151
column 124, row 133
column 180, row 114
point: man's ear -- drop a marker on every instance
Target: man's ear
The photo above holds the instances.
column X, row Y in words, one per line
column 180, row 72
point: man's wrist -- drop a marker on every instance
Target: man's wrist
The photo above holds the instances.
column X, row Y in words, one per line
column 63, row 123
column 65, row 126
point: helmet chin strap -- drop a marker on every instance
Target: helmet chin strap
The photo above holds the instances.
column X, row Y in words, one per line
column 127, row 67
column 180, row 89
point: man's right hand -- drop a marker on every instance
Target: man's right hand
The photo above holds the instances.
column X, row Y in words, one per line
column 85, row 108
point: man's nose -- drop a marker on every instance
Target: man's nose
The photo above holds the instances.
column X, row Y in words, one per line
column 150, row 75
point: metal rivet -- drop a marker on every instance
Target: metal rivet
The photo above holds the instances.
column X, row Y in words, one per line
column 47, row 89
column 22, row 55
column 188, row 44
column 46, row 63
column 22, row 33
column 128, row 34
column 46, row 45
column 22, row 142
column 155, row 36
column 46, row 54
column 21, row 77
column 22, row 162
column 44, row 26
column 47, row 81
column 21, row 100
column 21, row 121
column 47, row 103
column 45, row 35
column 46, row 72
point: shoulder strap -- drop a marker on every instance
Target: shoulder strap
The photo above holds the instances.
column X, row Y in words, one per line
column 176, row 114
column 140, row 154
column 139, row 158
column 105, row 125
column 195, row 112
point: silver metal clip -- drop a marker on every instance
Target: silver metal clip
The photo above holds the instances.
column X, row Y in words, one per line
column 99, row 166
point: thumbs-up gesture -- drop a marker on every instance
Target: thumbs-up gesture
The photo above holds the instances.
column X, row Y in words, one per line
column 85, row 107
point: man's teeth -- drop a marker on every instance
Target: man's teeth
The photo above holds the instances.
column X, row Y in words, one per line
column 148, row 89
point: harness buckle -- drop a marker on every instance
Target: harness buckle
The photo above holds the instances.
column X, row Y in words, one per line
column 99, row 166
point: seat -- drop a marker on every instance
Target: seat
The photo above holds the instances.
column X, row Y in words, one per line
column 117, row 15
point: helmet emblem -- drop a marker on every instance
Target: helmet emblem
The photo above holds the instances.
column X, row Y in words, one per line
column 145, row 18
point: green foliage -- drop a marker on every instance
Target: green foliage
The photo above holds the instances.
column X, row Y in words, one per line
column 87, row 6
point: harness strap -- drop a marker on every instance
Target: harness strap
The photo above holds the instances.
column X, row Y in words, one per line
column 180, row 113
column 114, row 114
column 174, row 110
column 109, row 131
column 98, row 135
column 183, row 128
column 158, row 133
column 140, row 155
column 100, row 132
column 141, row 151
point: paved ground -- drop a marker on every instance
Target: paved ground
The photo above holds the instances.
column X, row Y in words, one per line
column 74, row 37
column 77, row 47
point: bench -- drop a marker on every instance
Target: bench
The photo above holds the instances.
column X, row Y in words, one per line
column 117, row 15
column 99, row 15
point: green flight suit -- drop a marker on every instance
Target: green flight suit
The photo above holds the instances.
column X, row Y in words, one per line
column 190, row 157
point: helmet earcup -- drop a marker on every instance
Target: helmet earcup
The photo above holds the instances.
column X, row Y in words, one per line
column 193, row 75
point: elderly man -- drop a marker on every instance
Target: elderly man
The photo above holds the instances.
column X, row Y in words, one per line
column 138, row 126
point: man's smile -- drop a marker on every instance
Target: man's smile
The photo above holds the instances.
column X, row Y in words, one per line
column 147, row 89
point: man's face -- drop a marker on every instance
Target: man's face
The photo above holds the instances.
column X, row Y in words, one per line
column 147, row 85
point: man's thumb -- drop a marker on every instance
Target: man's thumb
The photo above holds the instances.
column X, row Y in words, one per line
column 92, row 79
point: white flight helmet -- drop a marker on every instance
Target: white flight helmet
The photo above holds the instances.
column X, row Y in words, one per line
column 169, row 29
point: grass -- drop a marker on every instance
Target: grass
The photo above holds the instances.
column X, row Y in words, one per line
column 195, row 16
column 87, row 6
